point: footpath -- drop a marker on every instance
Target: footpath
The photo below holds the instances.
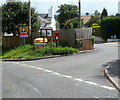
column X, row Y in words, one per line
column 112, row 71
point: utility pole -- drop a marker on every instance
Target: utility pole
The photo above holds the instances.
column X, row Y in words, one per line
column 29, row 14
column 79, row 3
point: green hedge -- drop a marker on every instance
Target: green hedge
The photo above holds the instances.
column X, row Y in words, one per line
column 110, row 26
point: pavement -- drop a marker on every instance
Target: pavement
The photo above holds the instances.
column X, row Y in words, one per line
column 112, row 71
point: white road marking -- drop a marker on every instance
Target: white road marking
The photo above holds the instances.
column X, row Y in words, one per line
column 78, row 79
column 92, row 83
column 66, row 76
column 35, row 89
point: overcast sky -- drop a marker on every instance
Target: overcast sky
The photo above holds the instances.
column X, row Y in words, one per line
column 90, row 6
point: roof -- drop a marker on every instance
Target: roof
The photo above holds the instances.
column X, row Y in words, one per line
column 44, row 21
column 85, row 18
column 43, row 15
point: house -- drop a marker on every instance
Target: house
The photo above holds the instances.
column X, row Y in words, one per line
column 48, row 20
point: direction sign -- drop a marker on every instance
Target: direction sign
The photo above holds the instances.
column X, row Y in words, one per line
column 23, row 31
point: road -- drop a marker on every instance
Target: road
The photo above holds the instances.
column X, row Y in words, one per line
column 76, row 76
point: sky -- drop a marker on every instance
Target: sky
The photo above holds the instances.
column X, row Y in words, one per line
column 90, row 6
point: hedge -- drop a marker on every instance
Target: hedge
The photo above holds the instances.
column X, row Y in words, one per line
column 110, row 26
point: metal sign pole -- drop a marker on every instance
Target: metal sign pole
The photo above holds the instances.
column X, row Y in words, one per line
column 24, row 40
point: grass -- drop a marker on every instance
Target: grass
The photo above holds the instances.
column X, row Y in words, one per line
column 28, row 51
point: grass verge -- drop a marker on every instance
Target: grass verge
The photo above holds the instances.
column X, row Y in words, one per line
column 28, row 52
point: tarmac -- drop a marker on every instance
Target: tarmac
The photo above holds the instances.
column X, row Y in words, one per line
column 112, row 72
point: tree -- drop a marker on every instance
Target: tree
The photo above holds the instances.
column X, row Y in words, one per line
column 87, row 14
column 104, row 13
column 94, row 19
column 72, row 23
column 66, row 12
column 117, row 14
column 15, row 14
column 96, row 13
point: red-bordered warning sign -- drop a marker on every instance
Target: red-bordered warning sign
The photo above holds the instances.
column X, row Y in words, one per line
column 23, row 31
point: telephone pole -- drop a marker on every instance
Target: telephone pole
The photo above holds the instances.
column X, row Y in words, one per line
column 29, row 14
column 79, row 3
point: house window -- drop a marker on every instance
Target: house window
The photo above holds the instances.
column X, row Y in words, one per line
column 49, row 32
column 43, row 33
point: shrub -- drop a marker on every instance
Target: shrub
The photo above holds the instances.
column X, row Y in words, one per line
column 110, row 26
column 96, row 29
column 92, row 38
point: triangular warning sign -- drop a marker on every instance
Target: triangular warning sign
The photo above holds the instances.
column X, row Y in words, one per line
column 23, row 31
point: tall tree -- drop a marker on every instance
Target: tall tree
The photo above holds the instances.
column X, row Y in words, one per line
column 72, row 23
column 66, row 12
column 94, row 19
column 104, row 13
column 15, row 14
column 96, row 13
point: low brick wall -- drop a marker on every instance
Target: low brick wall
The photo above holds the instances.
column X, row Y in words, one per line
column 85, row 44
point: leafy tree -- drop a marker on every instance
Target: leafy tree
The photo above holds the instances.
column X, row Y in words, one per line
column 72, row 23
column 96, row 13
column 104, row 13
column 94, row 19
column 15, row 14
column 118, row 15
column 87, row 14
column 66, row 12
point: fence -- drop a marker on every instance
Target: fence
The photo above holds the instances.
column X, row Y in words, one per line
column 67, row 36
column 11, row 41
column 70, row 36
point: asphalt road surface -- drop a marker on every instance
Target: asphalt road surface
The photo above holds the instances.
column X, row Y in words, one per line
column 76, row 76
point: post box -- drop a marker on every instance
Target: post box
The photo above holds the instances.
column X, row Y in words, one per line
column 57, row 36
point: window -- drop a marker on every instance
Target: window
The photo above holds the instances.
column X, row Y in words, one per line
column 49, row 32
column 43, row 32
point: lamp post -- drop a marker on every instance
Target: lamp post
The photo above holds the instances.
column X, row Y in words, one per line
column 79, row 3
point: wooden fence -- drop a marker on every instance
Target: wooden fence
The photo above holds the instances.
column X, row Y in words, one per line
column 70, row 37
column 11, row 41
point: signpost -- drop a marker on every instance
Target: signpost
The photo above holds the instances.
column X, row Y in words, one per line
column 23, row 32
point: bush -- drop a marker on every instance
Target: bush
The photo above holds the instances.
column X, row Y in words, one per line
column 92, row 38
column 96, row 30
column 110, row 26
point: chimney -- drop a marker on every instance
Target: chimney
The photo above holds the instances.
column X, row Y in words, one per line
column 51, row 12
